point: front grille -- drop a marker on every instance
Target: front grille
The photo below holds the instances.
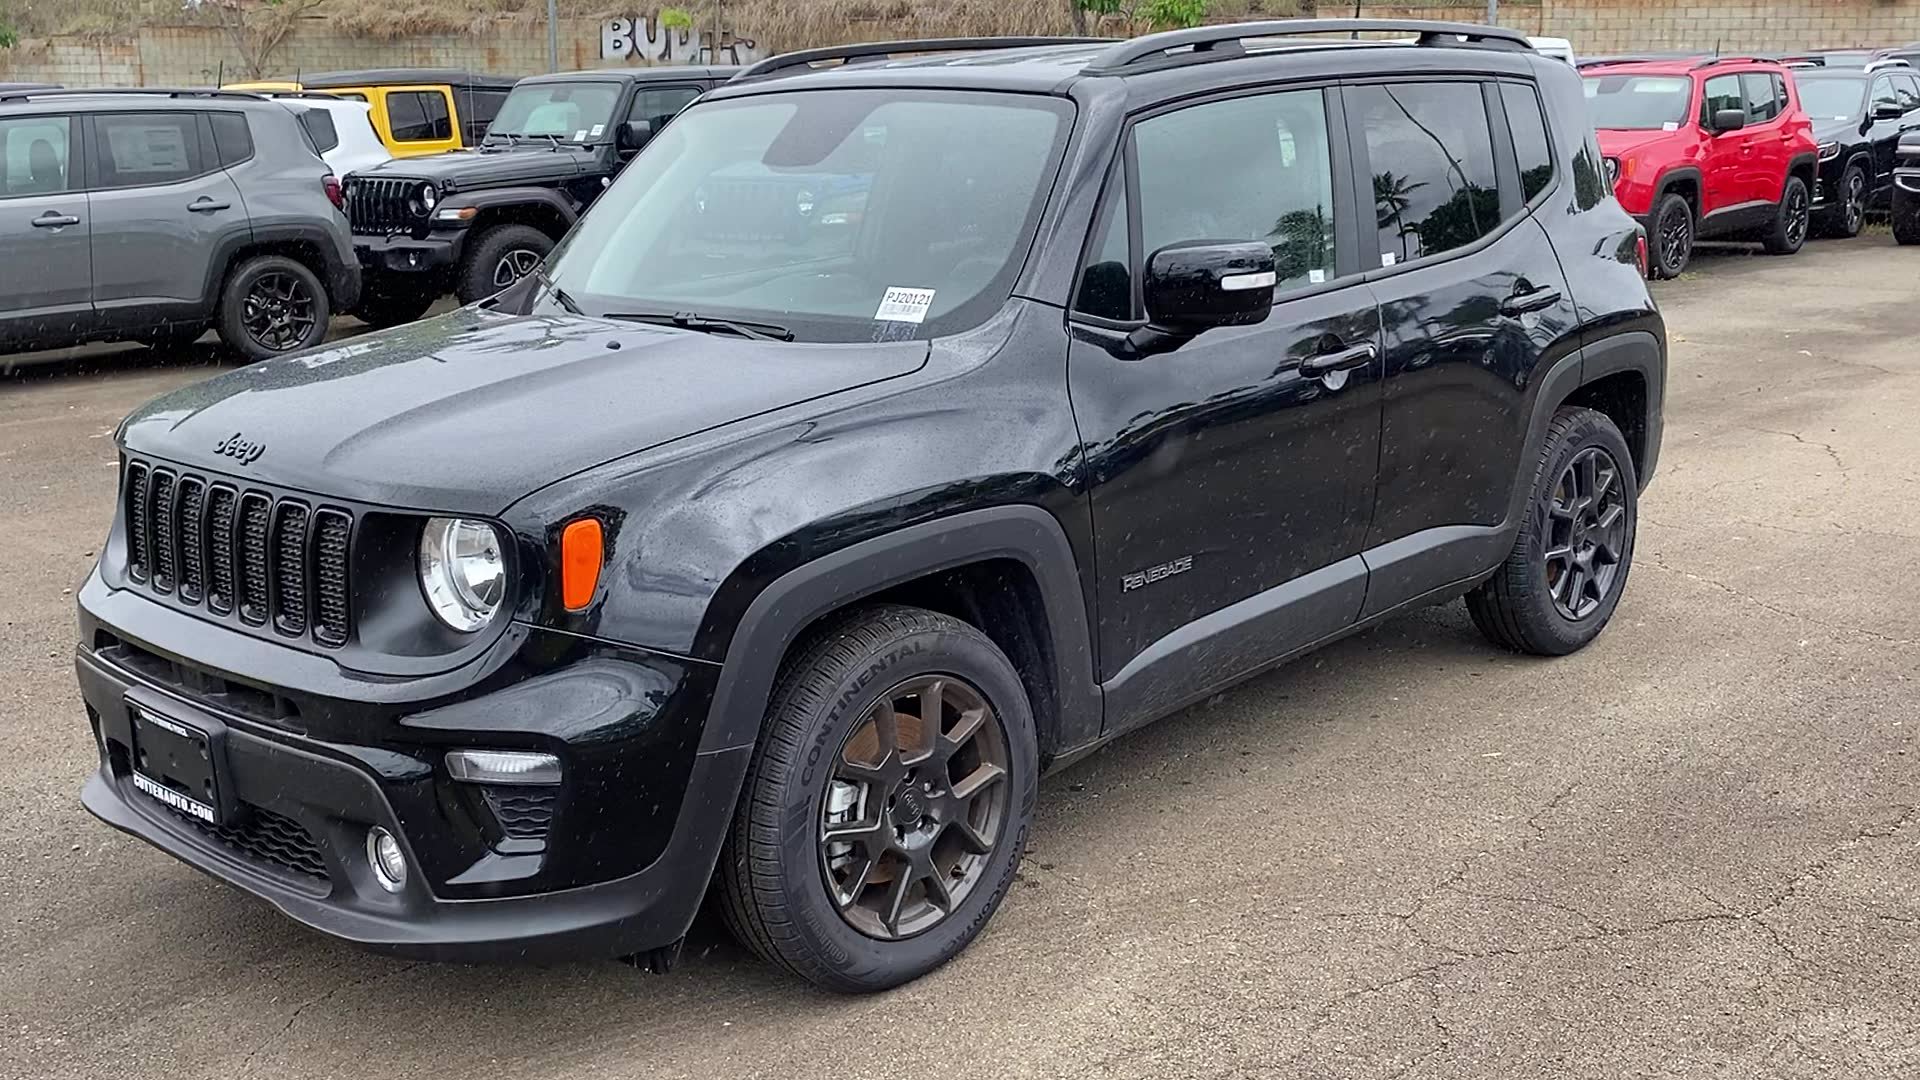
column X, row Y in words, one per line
column 270, row 560
column 267, row 837
column 523, row 813
column 380, row 207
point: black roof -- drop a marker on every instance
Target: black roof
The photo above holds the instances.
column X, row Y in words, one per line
column 324, row 80
column 640, row 74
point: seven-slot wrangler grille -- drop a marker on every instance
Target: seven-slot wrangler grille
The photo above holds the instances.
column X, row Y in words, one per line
column 272, row 560
column 380, row 207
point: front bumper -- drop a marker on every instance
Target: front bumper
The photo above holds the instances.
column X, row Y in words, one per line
column 404, row 253
column 631, row 834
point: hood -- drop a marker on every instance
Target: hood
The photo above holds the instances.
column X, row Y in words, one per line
column 457, row 170
column 470, row 411
column 1827, row 129
column 1616, row 142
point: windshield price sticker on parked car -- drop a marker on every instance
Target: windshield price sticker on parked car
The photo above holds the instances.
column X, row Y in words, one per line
column 904, row 305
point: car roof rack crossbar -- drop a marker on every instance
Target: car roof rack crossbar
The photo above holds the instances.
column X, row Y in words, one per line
column 155, row 91
column 875, row 51
column 1229, row 39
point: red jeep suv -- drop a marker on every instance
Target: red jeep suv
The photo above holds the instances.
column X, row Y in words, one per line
column 1705, row 149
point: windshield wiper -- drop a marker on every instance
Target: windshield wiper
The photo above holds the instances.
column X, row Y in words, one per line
column 507, row 135
column 687, row 320
column 559, row 294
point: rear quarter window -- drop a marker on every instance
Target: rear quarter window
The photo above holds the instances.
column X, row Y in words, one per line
column 232, row 139
column 318, row 124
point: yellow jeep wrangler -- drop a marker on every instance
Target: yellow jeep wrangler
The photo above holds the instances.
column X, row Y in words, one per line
column 415, row 110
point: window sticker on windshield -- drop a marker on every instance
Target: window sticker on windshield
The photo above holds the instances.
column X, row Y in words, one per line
column 1671, row 125
column 597, row 129
column 580, row 136
column 904, row 305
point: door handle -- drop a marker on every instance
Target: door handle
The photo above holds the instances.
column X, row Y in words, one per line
column 205, row 205
column 1326, row 363
column 54, row 219
column 1522, row 303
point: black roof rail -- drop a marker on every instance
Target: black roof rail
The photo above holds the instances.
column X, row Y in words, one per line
column 1640, row 58
column 881, row 50
column 156, row 91
column 1228, row 39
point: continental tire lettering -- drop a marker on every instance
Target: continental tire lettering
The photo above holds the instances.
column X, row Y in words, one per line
column 825, row 731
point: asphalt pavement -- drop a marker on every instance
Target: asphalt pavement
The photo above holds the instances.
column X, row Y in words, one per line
column 1689, row 851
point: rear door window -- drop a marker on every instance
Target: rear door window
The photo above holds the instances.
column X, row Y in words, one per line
column 143, row 149
column 1761, row 105
column 1430, row 151
column 418, row 116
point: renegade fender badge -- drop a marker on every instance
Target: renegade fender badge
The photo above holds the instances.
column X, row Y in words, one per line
column 1140, row 578
column 240, row 449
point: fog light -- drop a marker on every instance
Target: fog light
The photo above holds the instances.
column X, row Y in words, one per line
column 383, row 854
column 503, row 767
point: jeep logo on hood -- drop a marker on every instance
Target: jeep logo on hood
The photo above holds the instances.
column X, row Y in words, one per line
column 240, row 449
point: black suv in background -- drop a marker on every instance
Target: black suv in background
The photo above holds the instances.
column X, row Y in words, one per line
column 1906, row 189
column 479, row 219
column 1858, row 115
column 1124, row 372
column 152, row 215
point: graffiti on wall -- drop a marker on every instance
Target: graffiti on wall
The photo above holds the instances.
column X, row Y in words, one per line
column 648, row 39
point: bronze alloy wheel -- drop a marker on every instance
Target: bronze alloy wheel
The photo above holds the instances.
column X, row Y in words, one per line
column 914, row 806
column 1586, row 533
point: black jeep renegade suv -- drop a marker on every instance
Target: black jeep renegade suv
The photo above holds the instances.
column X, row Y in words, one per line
column 774, row 565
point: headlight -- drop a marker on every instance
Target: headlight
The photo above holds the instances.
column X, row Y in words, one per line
column 1829, row 151
column 803, row 202
column 429, row 196
column 1612, row 166
column 462, row 572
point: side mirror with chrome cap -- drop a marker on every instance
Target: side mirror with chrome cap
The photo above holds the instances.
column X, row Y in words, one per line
column 1199, row 285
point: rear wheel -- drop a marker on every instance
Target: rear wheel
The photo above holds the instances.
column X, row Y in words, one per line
column 1790, row 219
column 887, row 805
column 497, row 258
column 1563, row 579
column 1672, row 236
column 272, row 305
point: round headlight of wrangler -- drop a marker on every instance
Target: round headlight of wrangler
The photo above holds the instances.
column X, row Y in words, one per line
column 429, row 196
column 462, row 572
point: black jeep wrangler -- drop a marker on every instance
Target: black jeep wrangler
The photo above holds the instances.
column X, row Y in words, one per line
column 477, row 220
column 769, row 566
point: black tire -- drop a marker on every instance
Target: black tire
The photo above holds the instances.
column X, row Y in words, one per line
column 394, row 299
column 1844, row 220
column 1673, row 235
column 488, row 254
column 772, row 881
column 1519, row 608
column 1790, row 219
column 1906, row 218
column 261, row 278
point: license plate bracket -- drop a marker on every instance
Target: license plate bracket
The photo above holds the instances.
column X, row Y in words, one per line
column 180, row 763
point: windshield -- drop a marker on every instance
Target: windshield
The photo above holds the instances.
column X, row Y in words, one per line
column 1831, row 99
column 569, row 111
column 843, row 215
column 1638, row 102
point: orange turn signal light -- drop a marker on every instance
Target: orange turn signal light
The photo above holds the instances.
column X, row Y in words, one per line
column 582, row 549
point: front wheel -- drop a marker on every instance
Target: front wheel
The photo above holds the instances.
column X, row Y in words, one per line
column 1845, row 219
column 1672, row 236
column 272, row 305
column 1789, row 220
column 1906, row 217
column 498, row 257
column 888, row 803
column 1568, row 567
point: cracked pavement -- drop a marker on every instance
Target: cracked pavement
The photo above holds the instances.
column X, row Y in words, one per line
column 1690, row 851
